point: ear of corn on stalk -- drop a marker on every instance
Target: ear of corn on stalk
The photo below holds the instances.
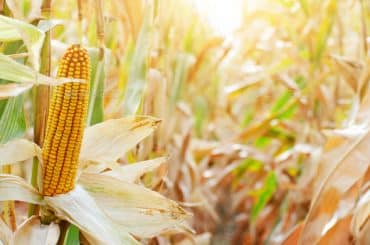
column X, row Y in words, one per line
column 65, row 124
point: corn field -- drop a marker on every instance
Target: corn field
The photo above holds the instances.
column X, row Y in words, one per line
column 184, row 122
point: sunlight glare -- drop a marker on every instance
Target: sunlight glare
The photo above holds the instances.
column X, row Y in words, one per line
column 224, row 16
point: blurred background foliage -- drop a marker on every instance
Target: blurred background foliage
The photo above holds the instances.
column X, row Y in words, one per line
column 258, row 100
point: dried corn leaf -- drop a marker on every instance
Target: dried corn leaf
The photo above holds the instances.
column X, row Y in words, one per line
column 132, row 172
column 292, row 238
column 106, row 142
column 364, row 236
column 350, row 169
column 18, row 150
column 80, row 209
column 361, row 214
column 135, row 209
column 33, row 232
column 339, row 233
column 5, row 233
column 15, row 188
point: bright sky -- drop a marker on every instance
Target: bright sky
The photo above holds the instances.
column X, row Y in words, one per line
column 223, row 15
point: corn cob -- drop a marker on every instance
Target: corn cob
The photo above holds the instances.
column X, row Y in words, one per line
column 65, row 124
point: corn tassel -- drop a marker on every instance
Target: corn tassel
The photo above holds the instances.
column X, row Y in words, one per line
column 65, row 124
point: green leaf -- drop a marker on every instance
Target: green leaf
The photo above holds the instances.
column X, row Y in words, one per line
column 12, row 121
column 13, row 30
column 96, row 108
column 281, row 134
column 137, row 73
column 182, row 65
column 248, row 164
column 324, row 30
column 301, row 81
column 72, row 236
column 12, row 70
column 281, row 102
column 189, row 38
column 265, row 193
column 304, row 6
column 248, row 117
column 262, row 142
column 288, row 112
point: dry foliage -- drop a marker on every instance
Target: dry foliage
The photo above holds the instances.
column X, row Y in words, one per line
column 266, row 131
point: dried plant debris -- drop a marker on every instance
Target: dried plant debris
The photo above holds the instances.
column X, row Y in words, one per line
column 202, row 122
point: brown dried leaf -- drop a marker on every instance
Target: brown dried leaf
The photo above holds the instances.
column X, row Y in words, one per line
column 350, row 169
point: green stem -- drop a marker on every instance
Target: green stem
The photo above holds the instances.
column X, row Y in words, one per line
column 33, row 208
column 42, row 95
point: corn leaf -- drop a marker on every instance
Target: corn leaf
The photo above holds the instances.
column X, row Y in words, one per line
column 304, row 6
column 324, row 30
column 281, row 102
column 80, row 209
column 352, row 165
column 13, row 89
column 132, row 172
column 293, row 236
column 96, row 110
column 361, row 214
column 13, row 71
column 72, row 236
column 183, row 62
column 18, row 150
column 137, row 74
column 5, row 233
column 33, row 232
column 133, row 208
column 12, row 121
column 13, row 29
column 15, row 188
column 339, row 233
column 106, row 142
column 265, row 194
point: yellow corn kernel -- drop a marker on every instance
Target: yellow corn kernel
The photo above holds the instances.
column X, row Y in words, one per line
column 65, row 124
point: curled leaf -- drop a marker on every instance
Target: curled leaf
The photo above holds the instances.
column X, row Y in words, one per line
column 15, row 188
column 18, row 150
column 132, row 172
column 107, row 141
column 80, row 209
column 132, row 207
